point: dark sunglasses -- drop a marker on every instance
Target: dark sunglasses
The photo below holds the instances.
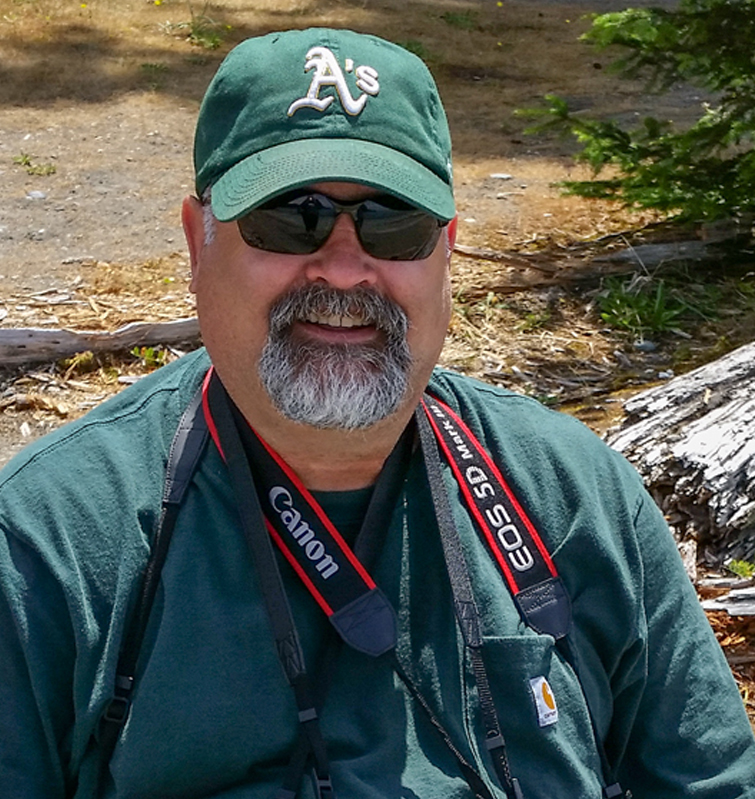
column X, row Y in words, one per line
column 299, row 223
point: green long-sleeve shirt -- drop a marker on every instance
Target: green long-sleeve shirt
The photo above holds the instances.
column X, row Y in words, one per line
column 212, row 713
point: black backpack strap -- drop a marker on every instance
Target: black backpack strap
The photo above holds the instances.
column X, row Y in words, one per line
column 185, row 451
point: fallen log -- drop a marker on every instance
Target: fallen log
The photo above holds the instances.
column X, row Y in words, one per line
column 510, row 258
column 693, row 441
column 651, row 256
column 24, row 346
column 586, row 262
column 738, row 602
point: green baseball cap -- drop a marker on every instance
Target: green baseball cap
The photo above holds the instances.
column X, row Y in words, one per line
column 299, row 107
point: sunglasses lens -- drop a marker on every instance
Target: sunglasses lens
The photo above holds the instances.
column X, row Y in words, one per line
column 396, row 231
column 299, row 224
column 294, row 225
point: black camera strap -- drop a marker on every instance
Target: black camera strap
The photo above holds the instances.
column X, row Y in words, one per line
column 357, row 609
column 270, row 497
column 278, row 610
column 322, row 559
column 186, row 449
column 511, row 537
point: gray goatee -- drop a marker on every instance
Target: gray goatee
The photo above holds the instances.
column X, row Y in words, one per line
column 337, row 386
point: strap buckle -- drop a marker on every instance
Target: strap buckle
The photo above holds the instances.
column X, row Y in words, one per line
column 117, row 710
column 323, row 786
column 613, row 791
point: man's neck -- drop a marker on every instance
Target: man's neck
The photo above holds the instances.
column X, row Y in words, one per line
column 331, row 460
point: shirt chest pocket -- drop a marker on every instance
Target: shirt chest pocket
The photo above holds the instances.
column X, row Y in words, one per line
column 543, row 715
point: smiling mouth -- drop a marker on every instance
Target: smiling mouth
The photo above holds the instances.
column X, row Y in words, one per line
column 335, row 320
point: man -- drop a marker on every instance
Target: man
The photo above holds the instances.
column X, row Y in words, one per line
column 367, row 578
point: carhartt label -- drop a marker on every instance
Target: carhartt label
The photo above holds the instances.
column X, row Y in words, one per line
column 327, row 72
column 547, row 712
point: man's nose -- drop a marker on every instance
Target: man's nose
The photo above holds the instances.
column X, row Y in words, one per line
column 342, row 261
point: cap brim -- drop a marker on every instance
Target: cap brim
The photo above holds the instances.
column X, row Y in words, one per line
column 292, row 165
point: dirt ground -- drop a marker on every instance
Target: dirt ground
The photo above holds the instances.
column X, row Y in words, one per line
column 97, row 107
column 103, row 97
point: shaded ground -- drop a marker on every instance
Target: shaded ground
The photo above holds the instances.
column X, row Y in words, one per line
column 101, row 97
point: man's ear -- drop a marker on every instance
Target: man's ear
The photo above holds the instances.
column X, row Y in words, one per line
column 451, row 230
column 192, row 217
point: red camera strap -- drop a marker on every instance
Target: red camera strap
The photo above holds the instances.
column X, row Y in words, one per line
column 338, row 581
column 309, row 541
column 512, row 538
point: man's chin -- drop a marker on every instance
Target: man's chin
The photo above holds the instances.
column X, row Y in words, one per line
column 341, row 399
column 343, row 362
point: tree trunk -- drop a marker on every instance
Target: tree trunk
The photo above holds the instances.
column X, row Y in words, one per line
column 693, row 441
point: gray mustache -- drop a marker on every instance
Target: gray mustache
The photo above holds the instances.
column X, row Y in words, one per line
column 368, row 304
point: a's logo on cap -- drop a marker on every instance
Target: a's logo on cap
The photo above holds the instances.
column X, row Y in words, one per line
column 547, row 712
column 329, row 73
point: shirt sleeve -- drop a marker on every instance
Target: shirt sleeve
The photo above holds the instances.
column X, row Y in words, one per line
column 690, row 736
column 36, row 661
